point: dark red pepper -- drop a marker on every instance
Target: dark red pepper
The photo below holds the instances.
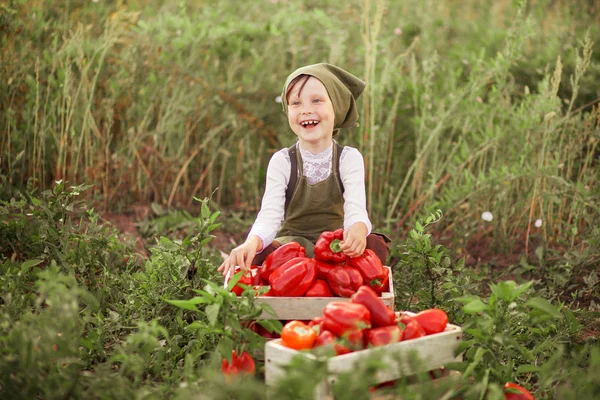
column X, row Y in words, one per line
column 383, row 286
column 324, row 338
column 381, row 314
column 352, row 340
column 280, row 256
column 344, row 281
column 512, row 391
column 370, row 267
column 246, row 279
column 323, row 269
column 317, row 323
column 264, row 332
column 294, row 277
column 244, row 364
column 412, row 329
column 327, row 247
column 319, row 288
column 383, row 335
column 433, row 320
column 341, row 318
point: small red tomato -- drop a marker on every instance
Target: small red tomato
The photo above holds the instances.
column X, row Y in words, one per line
column 512, row 391
column 297, row 335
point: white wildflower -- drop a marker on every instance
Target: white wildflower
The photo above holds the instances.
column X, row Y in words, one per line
column 487, row 216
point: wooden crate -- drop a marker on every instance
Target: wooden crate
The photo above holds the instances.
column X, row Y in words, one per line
column 433, row 351
column 305, row 308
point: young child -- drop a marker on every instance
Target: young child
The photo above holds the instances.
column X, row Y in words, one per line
column 316, row 185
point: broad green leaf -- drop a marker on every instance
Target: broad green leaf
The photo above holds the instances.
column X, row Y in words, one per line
column 271, row 325
column 212, row 313
column 524, row 369
column 185, row 304
column 225, row 347
column 464, row 345
column 484, row 383
column 505, row 290
column 196, row 325
column 205, row 241
column 475, row 306
column 234, row 280
column 543, row 305
column 467, row 299
column 27, row 265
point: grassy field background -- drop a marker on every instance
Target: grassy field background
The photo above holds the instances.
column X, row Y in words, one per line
column 471, row 107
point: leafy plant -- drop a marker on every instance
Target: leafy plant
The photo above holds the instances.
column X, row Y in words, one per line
column 425, row 275
column 226, row 319
column 509, row 334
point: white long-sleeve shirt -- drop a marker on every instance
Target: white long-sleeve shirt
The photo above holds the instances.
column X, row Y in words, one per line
column 316, row 168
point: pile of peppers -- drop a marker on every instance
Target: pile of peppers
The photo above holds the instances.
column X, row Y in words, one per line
column 363, row 322
column 330, row 273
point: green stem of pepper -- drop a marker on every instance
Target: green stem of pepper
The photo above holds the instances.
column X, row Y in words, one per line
column 335, row 246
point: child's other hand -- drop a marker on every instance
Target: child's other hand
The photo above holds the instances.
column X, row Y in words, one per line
column 242, row 255
column 355, row 240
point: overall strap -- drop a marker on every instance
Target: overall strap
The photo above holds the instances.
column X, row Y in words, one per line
column 336, row 165
column 294, row 171
column 293, row 176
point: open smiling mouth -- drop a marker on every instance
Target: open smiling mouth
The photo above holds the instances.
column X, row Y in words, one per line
column 309, row 124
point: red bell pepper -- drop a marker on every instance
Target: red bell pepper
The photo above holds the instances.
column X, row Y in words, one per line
column 297, row 335
column 294, row 277
column 264, row 332
column 324, row 338
column 344, row 317
column 327, row 247
column 433, row 320
column 383, row 336
column 317, row 324
column 512, row 391
column 327, row 339
column 381, row 314
column 412, row 329
column 383, row 286
column 323, row 269
column 370, row 267
column 246, row 279
column 344, row 281
column 244, row 364
column 280, row 256
column 319, row 288
column 353, row 340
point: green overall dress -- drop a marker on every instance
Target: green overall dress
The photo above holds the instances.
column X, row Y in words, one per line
column 313, row 209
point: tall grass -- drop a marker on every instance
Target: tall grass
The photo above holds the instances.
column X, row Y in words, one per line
column 470, row 106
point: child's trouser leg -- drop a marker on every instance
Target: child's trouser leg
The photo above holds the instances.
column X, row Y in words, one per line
column 379, row 244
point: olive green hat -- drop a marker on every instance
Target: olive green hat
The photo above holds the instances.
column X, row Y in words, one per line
column 342, row 87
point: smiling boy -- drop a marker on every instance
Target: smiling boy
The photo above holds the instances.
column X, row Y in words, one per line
column 315, row 185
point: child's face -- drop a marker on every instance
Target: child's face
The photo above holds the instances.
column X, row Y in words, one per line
column 311, row 115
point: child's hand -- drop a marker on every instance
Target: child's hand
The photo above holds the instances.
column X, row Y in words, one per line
column 355, row 240
column 242, row 255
